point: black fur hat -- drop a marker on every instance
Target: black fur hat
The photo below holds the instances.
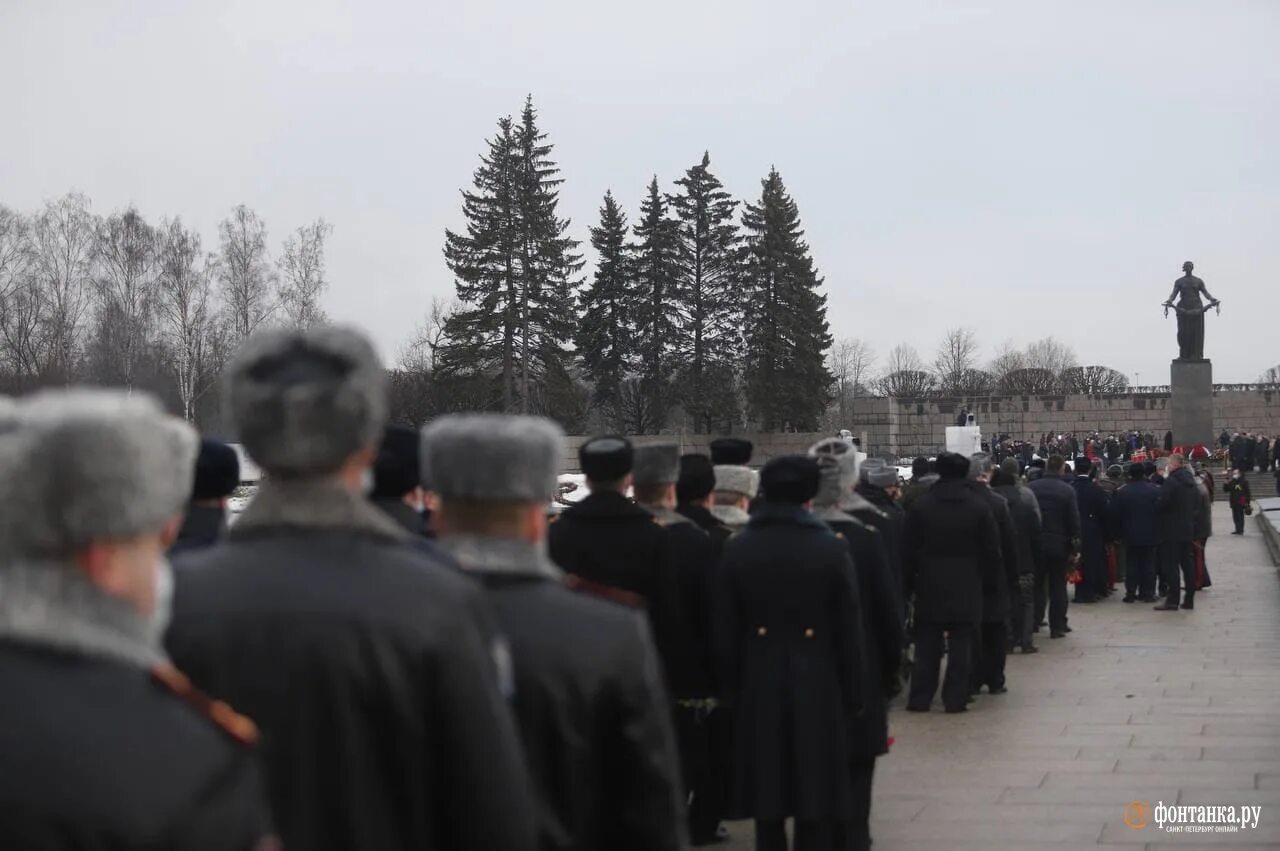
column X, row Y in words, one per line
column 217, row 471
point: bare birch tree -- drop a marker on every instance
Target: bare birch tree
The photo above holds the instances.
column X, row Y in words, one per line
column 904, row 375
column 1050, row 353
column 63, row 243
column 245, row 272
column 188, row 319
column 956, row 360
column 125, row 288
column 302, row 275
column 421, row 352
column 849, row 361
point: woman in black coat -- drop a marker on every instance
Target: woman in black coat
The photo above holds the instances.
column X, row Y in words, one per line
column 1238, row 496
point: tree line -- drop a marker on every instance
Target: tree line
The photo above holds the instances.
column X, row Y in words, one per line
column 703, row 313
column 117, row 300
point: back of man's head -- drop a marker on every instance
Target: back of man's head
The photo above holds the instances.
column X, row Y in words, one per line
column 1055, row 464
column 980, row 466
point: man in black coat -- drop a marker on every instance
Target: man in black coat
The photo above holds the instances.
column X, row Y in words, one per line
column 1060, row 537
column 1176, row 508
column 373, row 672
column 593, row 713
column 790, row 651
column 1133, row 515
column 1026, row 522
column 397, row 487
column 1091, row 501
column 608, row 539
column 695, row 556
column 952, row 553
column 217, row 475
column 991, row 644
column 878, row 484
column 878, row 591
column 103, row 743
column 694, row 498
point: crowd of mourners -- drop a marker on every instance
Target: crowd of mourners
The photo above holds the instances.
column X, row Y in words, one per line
column 397, row 646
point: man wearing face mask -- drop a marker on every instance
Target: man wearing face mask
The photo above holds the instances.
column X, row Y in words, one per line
column 103, row 742
column 1238, row 496
column 371, row 670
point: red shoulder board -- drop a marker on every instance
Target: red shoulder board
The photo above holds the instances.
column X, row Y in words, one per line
column 235, row 725
column 606, row 592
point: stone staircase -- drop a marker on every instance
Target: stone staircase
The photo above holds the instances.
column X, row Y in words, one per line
column 1261, row 485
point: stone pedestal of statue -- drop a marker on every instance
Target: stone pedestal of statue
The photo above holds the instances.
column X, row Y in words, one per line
column 1191, row 400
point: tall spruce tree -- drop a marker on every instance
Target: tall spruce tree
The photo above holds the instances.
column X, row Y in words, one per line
column 657, row 315
column 514, row 268
column 787, row 381
column 709, row 256
column 604, row 339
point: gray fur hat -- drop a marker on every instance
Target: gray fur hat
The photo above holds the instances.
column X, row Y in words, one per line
column 84, row 465
column 878, row 473
column 838, row 462
column 734, row 478
column 492, row 457
column 656, row 464
column 303, row 402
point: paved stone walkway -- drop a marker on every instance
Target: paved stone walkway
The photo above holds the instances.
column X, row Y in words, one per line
column 1134, row 705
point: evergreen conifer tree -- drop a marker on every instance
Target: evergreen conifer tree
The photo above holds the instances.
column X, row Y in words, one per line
column 787, row 381
column 710, row 282
column 657, row 302
column 514, row 268
column 604, row 338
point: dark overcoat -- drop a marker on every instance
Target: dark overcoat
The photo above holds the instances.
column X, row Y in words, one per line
column 789, row 647
column 695, row 556
column 592, row 709
column 952, row 553
column 610, row 540
column 369, row 670
column 1059, row 517
column 1176, row 505
column 99, row 755
column 1091, row 501
column 997, row 587
column 882, row 632
column 203, row 527
column 1133, row 514
column 1026, row 525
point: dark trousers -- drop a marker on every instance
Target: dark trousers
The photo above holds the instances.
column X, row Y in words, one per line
column 1022, row 614
column 771, row 835
column 702, row 769
column 1179, row 562
column 990, row 649
column 1237, row 516
column 858, row 830
column 1051, row 574
column 1140, row 572
column 924, row 676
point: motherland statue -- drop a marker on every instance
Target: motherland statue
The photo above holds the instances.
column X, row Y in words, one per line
column 1190, row 310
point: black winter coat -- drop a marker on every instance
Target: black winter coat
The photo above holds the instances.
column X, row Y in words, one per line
column 100, row 755
column 1059, row 516
column 952, row 553
column 890, row 531
column 203, row 527
column 1176, row 506
column 1092, row 503
column 1237, row 491
column 369, row 670
column 882, row 632
column 608, row 539
column 1133, row 513
column 592, row 709
column 790, row 651
column 996, row 587
column 695, row 556
column 1026, row 525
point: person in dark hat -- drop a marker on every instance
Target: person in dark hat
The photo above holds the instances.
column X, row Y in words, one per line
column 104, row 743
column 999, row 585
column 608, row 539
column 731, row 450
column 1091, row 501
column 879, row 593
column 1025, row 512
column 320, row 623
column 397, row 488
column 878, row 484
column 952, row 543
column 923, row 477
column 589, row 698
column 1132, row 513
column 694, row 491
column 789, row 647
column 695, row 555
column 216, row 478
column 1059, row 543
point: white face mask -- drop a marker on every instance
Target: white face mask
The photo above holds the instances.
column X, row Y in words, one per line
column 163, row 611
column 366, row 482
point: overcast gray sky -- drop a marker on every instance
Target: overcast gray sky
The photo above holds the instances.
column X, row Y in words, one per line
column 1022, row 167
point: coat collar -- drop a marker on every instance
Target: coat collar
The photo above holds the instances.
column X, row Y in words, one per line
column 851, row 502
column 605, row 504
column 730, row 515
column 700, row 514
column 507, row 556
column 667, row 516
column 52, row 605
column 783, row 514
column 313, row 505
column 404, row 515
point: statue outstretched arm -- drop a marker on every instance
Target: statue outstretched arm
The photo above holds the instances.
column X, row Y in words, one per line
column 1172, row 295
column 1207, row 294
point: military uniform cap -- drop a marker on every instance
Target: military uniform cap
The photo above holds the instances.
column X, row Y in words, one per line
column 397, row 469
column 86, row 465
column 952, row 465
column 606, row 459
column 1010, row 467
column 790, row 479
column 734, row 478
column 303, row 402
column 492, row 457
column 217, row 471
column 697, row 478
column 656, row 464
column 878, row 473
column 730, row 450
